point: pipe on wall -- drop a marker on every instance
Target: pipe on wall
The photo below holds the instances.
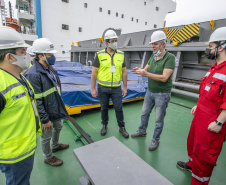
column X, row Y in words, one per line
column 186, row 93
column 186, row 85
column 38, row 18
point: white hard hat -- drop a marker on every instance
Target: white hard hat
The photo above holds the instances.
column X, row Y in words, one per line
column 10, row 38
column 29, row 50
column 218, row 35
column 43, row 45
column 157, row 36
column 110, row 34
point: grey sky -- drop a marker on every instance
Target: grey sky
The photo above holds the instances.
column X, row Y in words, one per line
column 194, row 11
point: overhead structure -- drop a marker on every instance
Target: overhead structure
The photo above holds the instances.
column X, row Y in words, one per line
column 177, row 36
column 186, row 42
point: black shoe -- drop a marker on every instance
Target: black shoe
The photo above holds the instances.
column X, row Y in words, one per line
column 183, row 166
column 103, row 130
column 123, row 131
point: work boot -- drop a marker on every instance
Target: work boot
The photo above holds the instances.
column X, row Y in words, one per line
column 53, row 161
column 184, row 166
column 103, row 130
column 138, row 134
column 60, row 147
column 124, row 132
column 154, row 145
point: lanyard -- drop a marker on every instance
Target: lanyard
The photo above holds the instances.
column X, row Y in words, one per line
column 52, row 77
column 31, row 94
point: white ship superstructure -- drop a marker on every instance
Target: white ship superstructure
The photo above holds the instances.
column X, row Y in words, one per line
column 67, row 21
column 2, row 12
column 26, row 20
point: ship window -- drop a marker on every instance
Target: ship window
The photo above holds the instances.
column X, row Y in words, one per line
column 157, row 8
column 100, row 9
column 145, row 3
column 155, row 26
column 80, row 29
column 66, row 1
column 137, row 20
column 109, row 12
column 85, row 5
column 116, row 14
column 132, row 19
column 146, row 23
column 122, row 16
column 65, row 27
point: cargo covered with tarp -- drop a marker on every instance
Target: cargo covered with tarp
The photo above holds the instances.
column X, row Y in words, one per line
column 76, row 86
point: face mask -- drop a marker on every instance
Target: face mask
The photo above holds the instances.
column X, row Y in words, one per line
column 158, row 53
column 209, row 55
column 113, row 45
column 51, row 60
column 22, row 61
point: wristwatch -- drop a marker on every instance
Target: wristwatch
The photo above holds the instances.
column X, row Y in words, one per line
column 219, row 123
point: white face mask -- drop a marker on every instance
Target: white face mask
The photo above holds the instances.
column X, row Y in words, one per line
column 113, row 45
column 22, row 61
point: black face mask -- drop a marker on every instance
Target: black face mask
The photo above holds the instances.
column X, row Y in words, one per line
column 210, row 55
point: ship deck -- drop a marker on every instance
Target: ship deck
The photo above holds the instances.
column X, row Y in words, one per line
column 171, row 149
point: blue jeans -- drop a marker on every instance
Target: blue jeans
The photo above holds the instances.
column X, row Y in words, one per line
column 47, row 135
column 115, row 93
column 18, row 173
column 160, row 101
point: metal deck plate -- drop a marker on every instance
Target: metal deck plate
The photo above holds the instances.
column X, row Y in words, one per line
column 110, row 162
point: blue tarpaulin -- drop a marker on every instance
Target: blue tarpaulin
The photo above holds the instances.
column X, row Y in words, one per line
column 76, row 84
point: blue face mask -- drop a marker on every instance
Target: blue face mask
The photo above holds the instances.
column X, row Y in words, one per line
column 51, row 60
column 158, row 53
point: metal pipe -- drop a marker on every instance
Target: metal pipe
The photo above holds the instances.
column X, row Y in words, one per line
column 78, row 136
column 186, row 93
column 179, row 84
column 143, row 59
column 38, row 18
column 84, row 134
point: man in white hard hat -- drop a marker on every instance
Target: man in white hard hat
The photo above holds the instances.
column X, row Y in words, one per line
column 159, row 71
column 110, row 67
column 208, row 132
column 19, row 120
column 51, row 108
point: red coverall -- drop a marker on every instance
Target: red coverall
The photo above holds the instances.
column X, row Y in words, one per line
column 204, row 146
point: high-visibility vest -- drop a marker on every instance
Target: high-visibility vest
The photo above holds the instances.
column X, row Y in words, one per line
column 105, row 75
column 17, row 121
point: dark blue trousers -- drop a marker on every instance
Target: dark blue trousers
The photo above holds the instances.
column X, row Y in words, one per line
column 115, row 93
column 18, row 173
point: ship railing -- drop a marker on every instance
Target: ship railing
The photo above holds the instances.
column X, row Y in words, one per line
column 27, row 29
column 25, row 9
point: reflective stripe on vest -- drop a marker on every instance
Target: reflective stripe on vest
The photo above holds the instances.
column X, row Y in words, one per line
column 207, row 74
column 120, row 53
column 44, row 94
column 10, row 87
column 105, row 75
column 201, row 179
column 21, row 156
column 18, row 115
column 100, row 52
column 220, row 76
column 108, row 83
